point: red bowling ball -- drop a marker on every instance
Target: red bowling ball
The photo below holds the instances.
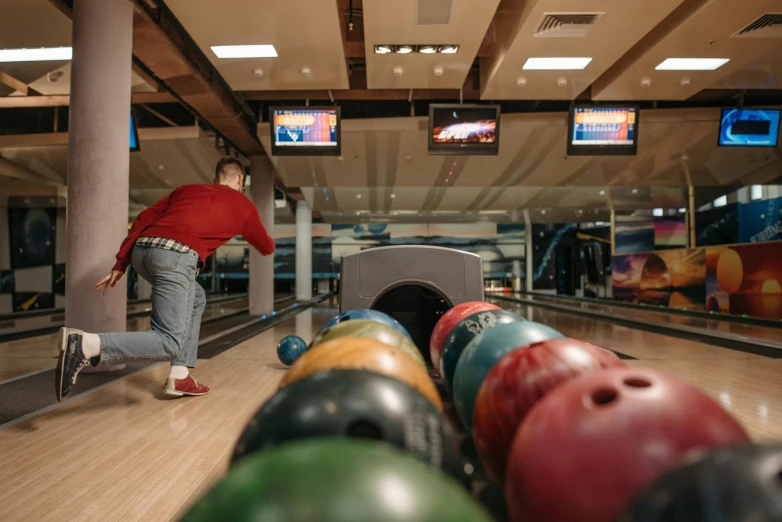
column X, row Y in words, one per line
column 446, row 323
column 587, row 448
column 517, row 382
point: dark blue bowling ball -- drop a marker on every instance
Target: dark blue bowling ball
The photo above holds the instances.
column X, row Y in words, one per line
column 369, row 315
column 290, row 348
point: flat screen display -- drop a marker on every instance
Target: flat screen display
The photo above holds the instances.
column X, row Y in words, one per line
column 749, row 128
column 134, row 144
column 305, row 131
column 464, row 129
column 600, row 131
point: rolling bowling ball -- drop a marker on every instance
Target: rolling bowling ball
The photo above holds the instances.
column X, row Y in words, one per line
column 446, row 323
column 483, row 352
column 335, row 480
column 733, row 484
column 360, row 353
column 359, row 404
column 368, row 315
column 371, row 330
column 517, row 382
column 290, row 348
column 593, row 443
column 464, row 332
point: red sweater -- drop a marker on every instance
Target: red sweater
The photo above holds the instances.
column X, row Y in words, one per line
column 203, row 217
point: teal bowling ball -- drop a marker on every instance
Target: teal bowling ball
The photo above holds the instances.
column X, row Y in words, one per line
column 367, row 315
column 464, row 332
column 483, row 352
column 290, row 348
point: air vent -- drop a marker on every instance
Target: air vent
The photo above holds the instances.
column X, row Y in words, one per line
column 434, row 12
column 567, row 25
column 767, row 26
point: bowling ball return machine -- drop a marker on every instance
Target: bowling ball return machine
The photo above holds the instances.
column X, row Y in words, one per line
column 414, row 284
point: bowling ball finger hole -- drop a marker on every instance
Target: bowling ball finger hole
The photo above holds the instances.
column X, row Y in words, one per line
column 365, row 430
column 637, row 382
column 604, row 396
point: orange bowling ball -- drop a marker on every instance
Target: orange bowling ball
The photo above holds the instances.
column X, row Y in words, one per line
column 359, row 353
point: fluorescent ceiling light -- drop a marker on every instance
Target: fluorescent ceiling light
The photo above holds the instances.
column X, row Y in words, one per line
column 692, row 64
column 404, row 49
column 44, row 54
column 244, row 51
column 657, row 212
column 383, row 49
column 427, row 49
column 556, row 64
column 449, row 49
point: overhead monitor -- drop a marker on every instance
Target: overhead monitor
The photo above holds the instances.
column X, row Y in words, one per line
column 464, row 129
column 305, row 131
column 749, row 128
column 134, row 143
column 610, row 130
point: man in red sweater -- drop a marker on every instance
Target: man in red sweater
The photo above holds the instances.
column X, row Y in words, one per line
column 167, row 246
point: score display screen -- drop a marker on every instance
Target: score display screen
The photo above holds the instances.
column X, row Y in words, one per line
column 305, row 128
column 463, row 129
column 749, row 128
column 604, row 127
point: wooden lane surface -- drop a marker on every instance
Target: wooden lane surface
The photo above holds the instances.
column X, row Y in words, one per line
column 38, row 353
column 125, row 453
column 747, row 385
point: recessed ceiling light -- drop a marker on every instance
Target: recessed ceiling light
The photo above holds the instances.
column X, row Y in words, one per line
column 602, row 192
column 244, row 51
column 657, row 212
column 635, row 191
column 427, row 49
column 404, row 49
column 383, row 49
column 557, row 64
column 682, row 210
column 358, row 196
column 692, row 64
column 392, row 196
column 449, row 49
column 44, row 54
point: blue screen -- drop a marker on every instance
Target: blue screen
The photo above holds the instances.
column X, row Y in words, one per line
column 749, row 128
column 133, row 137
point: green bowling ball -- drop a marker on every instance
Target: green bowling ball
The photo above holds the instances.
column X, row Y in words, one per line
column 483, row 352
column 335, row 480
column 372, row 330
column 464, row 332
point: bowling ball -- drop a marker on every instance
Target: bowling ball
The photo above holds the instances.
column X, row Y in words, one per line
column 371, row 330
column 360, row 353
column 359, row 404
column 732, row 484
column 590, row 445
column 517, row 382
column 368, row 315
column 290, row 348
column 335, row 480
column 446, row 323
column 483, row 352
column 464, row 332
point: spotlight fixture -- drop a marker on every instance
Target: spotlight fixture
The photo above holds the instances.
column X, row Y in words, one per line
column 422, row 49
column 438, row 70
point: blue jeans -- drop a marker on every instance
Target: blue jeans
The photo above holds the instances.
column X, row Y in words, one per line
column 177, row 304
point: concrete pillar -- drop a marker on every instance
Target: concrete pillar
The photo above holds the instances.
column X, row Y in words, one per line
column 517, row 275
column 303, row 325
column 262, row 267
column 528, row 256
column 98, row 161
column 303, row 251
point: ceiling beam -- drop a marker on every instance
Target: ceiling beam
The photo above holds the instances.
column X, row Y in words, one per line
column 17, row 85
column 63, row 100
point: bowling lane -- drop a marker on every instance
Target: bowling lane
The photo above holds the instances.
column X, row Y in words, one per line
column 169, row 451
column 747, row 385
column 746, row 330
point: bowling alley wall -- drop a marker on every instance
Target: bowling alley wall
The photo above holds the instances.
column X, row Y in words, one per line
column 735, row 268
column 32, row 255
